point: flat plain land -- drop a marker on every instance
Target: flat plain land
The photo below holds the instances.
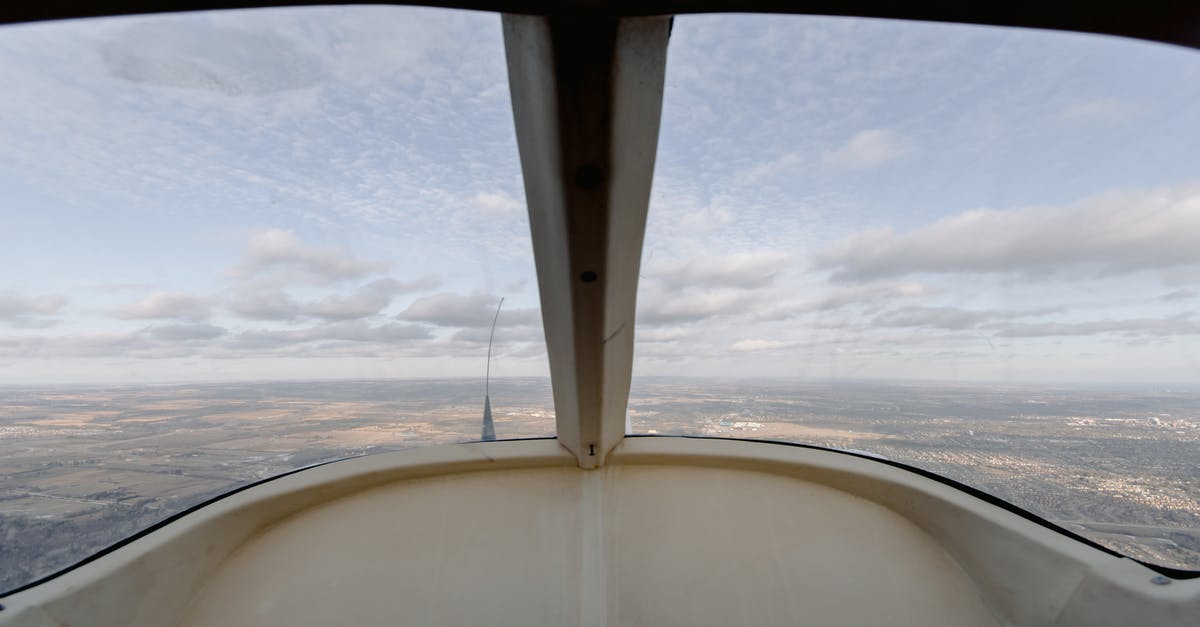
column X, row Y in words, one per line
column 82, row 468
column 1117, row 466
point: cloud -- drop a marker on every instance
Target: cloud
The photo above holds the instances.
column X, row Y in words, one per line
column 769, row 169
column 182, row 54
column 252, row 136
column 1116, row 233
column 13, row 305
column 127, row 286
column 1141, row 326
column 712, row 216
column 164, row 305
column 185, row 332
column 949, row 318
column 496, row 204
column 29, row 311
column 1096, row 111
column 479, row 335
column 368, row 300
column 662, row 335
column 271, row 117
column 761, row 346
column 343, row 338
column 280, row 251
column 871, row 296
column 693, row 307
column 739, row 270
column 475, row 310
column 32, row 323
column 872, row 293
column 75, row 345
column 1178, row 295
column 867, row 149
column 345, row 331
column 264, row 305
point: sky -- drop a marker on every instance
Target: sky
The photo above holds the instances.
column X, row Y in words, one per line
column 336, row 193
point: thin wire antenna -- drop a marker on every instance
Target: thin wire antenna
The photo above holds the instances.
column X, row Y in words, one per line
column 488, row 433
column 487, row 379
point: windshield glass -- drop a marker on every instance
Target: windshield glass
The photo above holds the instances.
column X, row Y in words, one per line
column 240, row 243
column 967, row 249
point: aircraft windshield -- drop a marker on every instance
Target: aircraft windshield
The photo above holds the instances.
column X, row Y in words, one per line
column 967, row 249
column 240, row 243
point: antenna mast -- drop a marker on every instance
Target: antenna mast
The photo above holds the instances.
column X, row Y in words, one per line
column 488, row 377
column 489, row 428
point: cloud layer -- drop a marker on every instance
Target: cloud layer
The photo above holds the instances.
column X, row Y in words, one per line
column 1110, row 234
column 833, row 197
column 279, row 253
column 20, row 310
column 867, row 149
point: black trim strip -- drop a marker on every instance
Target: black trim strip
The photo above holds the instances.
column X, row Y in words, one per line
column 1170, row 21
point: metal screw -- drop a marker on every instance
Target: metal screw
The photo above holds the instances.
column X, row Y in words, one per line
column 1160, row 580
column 589, row 176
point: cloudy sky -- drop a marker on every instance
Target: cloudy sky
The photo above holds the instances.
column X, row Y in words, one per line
column 335, row 192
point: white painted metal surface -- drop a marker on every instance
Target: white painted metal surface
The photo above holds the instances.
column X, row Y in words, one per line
column 670, row 532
